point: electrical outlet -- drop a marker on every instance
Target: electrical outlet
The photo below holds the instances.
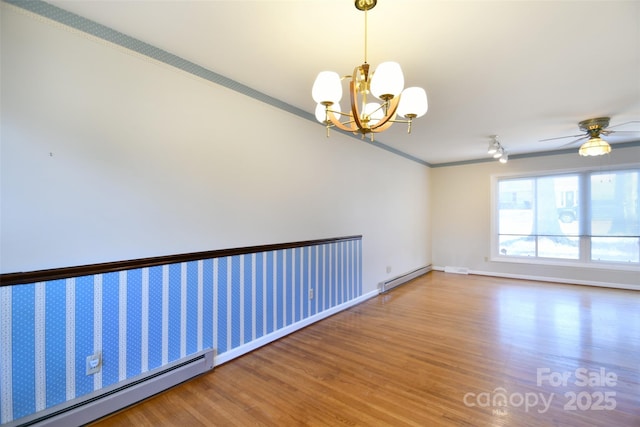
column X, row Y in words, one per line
column 310, row 293
column 94, row 363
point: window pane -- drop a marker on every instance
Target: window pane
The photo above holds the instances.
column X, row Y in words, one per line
column 615, row 204
column 559, row 247
column 514, row 207
column 557, row 217
column 517, row 246
column 557, row 208
column 619, row 249
column 515, row 217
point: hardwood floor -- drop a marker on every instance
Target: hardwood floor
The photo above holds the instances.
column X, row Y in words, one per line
column 441, row 350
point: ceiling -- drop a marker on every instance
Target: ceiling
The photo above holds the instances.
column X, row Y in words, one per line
column 522, row 70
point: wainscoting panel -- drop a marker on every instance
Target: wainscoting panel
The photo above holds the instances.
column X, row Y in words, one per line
column 141, row 319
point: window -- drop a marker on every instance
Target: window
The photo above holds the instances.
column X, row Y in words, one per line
column 587, row 217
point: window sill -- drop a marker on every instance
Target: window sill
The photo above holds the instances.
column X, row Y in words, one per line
column 615, row 266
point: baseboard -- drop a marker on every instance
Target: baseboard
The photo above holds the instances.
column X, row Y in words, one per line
column 266, row 339
column 558, row 280
column 551, row 279
column 456, row 270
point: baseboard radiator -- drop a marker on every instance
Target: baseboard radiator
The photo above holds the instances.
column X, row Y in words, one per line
column 112, row 399
column 456, row 270
column 400, row 280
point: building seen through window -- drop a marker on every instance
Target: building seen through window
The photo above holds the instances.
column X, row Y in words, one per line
column 586, row 216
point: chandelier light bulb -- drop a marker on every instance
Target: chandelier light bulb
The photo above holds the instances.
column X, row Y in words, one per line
column 321, row 112
column 387, row 81
column 374, row 111
column 327, row 88
column 504, row 158
column 413, row 102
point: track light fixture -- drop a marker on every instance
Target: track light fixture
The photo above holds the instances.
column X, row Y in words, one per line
column 496, row 150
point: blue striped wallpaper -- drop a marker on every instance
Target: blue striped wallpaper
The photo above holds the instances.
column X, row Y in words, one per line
column 142, row 319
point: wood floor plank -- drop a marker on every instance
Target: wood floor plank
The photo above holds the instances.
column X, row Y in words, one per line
column 437, row 351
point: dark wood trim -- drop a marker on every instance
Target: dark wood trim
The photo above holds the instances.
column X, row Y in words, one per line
column 21, row 278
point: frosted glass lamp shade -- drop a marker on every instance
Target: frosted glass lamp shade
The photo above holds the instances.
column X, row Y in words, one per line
column 595, row 147
column 327, row 88
column 374, row 110
column 387, row 80
column 413, row 102
column 321, row 113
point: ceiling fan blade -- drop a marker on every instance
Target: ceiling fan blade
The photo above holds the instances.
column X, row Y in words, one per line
column 620, row 132
column 573, row 142
column 561, row 137
column 622, row 124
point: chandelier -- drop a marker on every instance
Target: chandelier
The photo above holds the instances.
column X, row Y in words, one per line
column 377, row 98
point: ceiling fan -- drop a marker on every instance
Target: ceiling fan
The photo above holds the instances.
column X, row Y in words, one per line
column 592, row 131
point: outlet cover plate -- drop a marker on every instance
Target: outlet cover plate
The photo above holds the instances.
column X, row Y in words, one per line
column 94, row 363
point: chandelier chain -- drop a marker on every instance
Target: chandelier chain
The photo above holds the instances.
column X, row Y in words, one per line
column 365, row 36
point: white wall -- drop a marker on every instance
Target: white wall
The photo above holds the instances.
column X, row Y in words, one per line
column 107, row 156
column 461, row 213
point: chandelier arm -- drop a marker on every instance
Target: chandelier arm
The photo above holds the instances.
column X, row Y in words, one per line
column 380, row 107
column 381, row 127
column 337, row 123
column 341, row 125
column 336, row 115
column 387, row 121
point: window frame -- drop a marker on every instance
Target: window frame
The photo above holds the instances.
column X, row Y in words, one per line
column 584, row 256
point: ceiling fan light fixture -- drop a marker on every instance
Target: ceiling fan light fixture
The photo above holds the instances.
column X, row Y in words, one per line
column 595, row 147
